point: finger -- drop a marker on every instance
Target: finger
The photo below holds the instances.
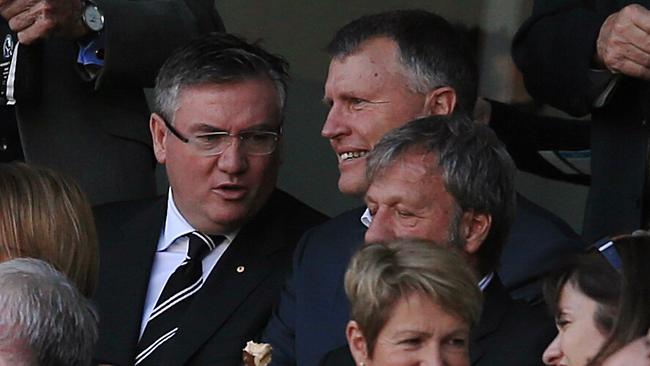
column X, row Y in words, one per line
column 637, row 15
column 21, row 21
column 39, row 30
column 14, row 8
column 633, row 69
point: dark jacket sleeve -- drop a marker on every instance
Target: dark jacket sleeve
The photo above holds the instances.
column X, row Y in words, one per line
column 554, row 49
column 140, row 35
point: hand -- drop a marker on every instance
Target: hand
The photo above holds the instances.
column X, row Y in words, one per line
column 33, row 20
column 623, row 44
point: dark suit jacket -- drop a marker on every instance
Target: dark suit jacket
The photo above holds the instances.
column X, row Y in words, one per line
column 554, row 49
column 313, row 311
column 229, row 310
column 98, row 132
column 509, row 333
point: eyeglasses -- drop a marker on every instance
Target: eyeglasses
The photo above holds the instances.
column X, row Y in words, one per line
column 215, row 143
column 607, row 248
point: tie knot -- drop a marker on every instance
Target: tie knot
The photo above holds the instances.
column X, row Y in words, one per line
column 201, row 244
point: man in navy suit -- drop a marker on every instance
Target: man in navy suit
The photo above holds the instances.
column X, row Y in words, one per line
column 217, row 128
column 386, row 69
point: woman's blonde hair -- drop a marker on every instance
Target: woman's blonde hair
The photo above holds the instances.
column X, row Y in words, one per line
column 46, row 215
column 380, row 274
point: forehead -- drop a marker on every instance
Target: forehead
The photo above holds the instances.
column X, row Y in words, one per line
column 235, row 105
column 375, row 64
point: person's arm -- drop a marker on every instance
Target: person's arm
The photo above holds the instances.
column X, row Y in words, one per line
column 280, row 331
column 555, row 51
column 139, row 36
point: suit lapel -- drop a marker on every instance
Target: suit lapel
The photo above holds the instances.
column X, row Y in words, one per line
column 240, row 270
column 496, row 303
column 127, row 262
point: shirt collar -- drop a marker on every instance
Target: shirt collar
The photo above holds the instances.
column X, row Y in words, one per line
column 177, row 226
column 366, row 218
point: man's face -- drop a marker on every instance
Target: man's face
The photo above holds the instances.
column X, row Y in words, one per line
column 217, row 194
column 408, row 200
column 368, row 96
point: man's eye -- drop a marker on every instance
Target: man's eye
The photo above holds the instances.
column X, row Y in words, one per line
column 357, row 103
column 457, row 342
column 209, row 139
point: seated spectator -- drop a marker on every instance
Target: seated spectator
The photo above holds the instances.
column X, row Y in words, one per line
column 600, row 301
column 45, row 215
column 411, row 301
column 45, row 319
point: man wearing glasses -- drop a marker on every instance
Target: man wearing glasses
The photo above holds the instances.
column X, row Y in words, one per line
column 189, row 278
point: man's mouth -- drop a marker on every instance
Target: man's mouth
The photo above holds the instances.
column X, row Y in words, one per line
column 346, row 156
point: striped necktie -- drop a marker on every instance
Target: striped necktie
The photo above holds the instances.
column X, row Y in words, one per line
column 186, row 280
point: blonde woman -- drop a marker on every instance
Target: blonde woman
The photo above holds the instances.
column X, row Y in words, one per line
column 45, row 215
column 411, row 302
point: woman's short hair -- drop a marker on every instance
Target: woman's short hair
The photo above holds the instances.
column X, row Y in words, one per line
column 617, row 282
column 380, row 274
column 45, row 215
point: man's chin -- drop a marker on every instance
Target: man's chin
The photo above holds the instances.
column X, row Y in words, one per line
column 353, row 188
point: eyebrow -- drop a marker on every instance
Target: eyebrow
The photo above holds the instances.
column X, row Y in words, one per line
column 264, row 126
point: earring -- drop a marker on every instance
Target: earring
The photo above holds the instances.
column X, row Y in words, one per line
column 362, row 364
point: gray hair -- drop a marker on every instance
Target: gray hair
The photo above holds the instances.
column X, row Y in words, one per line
column 380, row 274
column 476, row 170
column 432, row 52
column 216, row 58
column 44, row 320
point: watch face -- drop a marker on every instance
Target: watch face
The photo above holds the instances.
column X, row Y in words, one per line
column 93, row 18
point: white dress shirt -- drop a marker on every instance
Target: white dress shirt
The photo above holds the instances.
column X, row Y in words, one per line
column 170, row 253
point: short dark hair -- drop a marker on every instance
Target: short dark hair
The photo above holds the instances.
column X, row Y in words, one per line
column 433, row 52
column 216, row 58
column 476, row 169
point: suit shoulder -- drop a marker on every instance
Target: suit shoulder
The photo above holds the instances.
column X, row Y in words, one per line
column 298, row 209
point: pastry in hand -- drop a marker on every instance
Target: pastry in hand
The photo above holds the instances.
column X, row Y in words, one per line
column 257, row 354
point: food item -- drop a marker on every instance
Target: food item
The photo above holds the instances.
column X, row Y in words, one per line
column 257, row 354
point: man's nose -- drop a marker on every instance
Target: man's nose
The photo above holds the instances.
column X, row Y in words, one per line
column 380, row 228
column 233, row 159
column 334, row 124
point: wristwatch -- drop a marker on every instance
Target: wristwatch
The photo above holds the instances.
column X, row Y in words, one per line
column 93, row 17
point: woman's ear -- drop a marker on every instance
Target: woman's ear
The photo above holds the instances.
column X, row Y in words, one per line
column 357, row 343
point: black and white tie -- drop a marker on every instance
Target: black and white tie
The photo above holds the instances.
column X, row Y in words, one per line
column 186, row 280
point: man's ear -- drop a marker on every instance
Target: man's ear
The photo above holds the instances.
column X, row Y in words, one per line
column 440, row 101
column 475, row 227
column 158, row 135
column 356, row 342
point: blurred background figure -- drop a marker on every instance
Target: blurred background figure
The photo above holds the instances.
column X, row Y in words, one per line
column 44, row 215
column 44, row 319
column 411, row 301
column 601, row 301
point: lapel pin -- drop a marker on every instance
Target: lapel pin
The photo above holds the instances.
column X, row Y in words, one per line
column 241, row 269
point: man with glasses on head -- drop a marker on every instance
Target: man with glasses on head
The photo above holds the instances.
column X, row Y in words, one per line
column 189, row 278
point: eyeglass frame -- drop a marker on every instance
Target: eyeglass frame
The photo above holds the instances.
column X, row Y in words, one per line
column 186, row 140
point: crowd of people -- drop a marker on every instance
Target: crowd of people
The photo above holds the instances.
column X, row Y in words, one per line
column 443, row 264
